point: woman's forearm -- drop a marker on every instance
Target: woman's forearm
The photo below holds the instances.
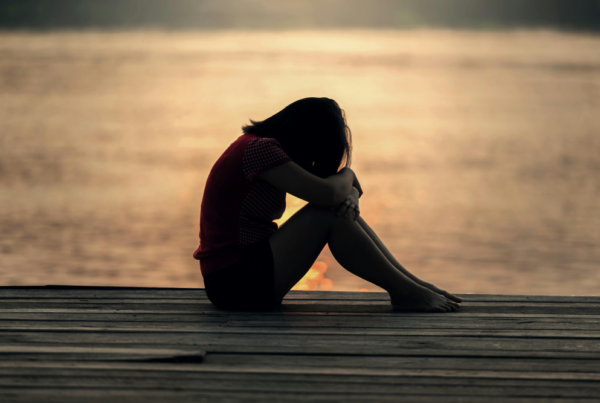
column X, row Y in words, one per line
column 341, row 184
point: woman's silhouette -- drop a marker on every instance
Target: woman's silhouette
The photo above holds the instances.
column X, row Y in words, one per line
column 248, row 263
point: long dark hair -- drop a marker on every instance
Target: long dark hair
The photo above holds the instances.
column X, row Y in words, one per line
column 313, row 133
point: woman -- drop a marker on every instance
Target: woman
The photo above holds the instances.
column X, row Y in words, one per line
column 248, row 263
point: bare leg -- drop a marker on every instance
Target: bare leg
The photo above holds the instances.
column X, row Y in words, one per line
column 397, row 264
column 299, row 241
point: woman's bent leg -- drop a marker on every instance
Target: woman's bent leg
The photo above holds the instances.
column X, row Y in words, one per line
column 296, row 246
column 397, row 264
column 299, row 241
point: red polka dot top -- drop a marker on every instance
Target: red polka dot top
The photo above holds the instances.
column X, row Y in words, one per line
column 237, row 210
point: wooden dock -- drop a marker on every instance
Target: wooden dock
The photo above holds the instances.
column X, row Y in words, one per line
column 84, row 344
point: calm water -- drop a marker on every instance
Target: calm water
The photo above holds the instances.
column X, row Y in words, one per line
column 478, row 152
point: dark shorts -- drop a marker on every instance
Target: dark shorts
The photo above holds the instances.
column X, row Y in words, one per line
column 248, row 284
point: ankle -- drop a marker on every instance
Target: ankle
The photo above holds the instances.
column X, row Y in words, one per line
column 408, row 291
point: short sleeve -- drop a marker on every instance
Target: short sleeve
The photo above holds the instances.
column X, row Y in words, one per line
column 262, row 154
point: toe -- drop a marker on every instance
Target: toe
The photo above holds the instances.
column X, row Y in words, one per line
column 452, row 297
column 450, row 308
column 452, row 303
column 439, row 309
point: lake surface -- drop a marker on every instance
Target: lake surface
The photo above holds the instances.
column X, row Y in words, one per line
column 479, row 152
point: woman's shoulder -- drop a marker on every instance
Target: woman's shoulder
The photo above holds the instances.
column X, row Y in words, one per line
column 245, row 138
column 240, row 144
column 250, row 141
column 249, row 144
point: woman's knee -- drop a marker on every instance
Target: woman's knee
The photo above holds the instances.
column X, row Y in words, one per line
column 325, row 214
column 316, row 208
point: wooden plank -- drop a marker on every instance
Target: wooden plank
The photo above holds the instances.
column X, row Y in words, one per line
column 394, row 319
column 204, row 372
column 106, row 306
column 456, row 374
column 124, row 316
column 42, row 395
column 190, row 293
column 333, row 344
column 335, row 298
column 93, row 353
column 316, row 331
column 336, row 346
column 94, row 350
column 538, row 325
column 95, row 301
column 590, row 342
column 14, row 359
column 209, row 316
column 348, row 351
column 168, row 303
column 555, row 309
column 240, row 384
column 207, row 373
column 358, row 364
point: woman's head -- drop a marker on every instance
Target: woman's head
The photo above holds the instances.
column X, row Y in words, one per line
column 313, row 132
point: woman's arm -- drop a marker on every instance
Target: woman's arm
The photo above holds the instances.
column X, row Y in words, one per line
column 349, row 208
column 297, row 181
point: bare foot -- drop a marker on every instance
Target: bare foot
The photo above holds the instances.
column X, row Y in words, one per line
column 441, row 292
column 421, row 299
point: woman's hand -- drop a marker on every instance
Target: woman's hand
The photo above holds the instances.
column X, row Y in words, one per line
column 349, row 207
column 355, row 182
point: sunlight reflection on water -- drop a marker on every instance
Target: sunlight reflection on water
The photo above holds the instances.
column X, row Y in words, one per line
column 478, row 152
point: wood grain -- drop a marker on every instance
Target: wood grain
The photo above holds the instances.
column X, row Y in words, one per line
column 98, row 344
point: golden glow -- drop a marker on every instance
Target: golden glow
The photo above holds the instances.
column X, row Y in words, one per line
column 315, row 279
column 293, row 204
column 477, row 150
column 326, row 284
